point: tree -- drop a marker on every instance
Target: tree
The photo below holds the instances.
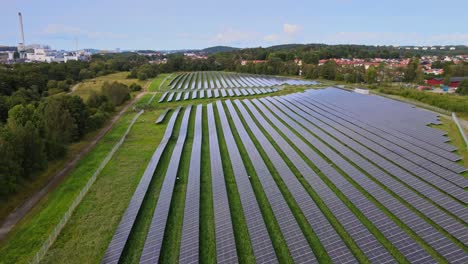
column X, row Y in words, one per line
column 135, row 87
column 328, row 70
column 78, row 110
column 371, row 75
column 9, row 164
column 58, row 126
column 463, row 88
column 30, row 145
column 116, row 92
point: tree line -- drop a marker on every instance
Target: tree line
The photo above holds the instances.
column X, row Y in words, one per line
column 39, row 119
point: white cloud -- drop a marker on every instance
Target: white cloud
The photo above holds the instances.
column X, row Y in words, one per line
column 290, row 29
column 71, row 31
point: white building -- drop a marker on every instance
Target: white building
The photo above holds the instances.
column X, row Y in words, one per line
column 48, row 55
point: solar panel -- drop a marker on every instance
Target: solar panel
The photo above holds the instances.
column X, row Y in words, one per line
column 162, row 97
column 162, row 116
column 225, row 242
column 189, row 247
column 171, row 95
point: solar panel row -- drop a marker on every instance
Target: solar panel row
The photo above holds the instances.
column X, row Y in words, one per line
column 225, row 243
column 189, row 247
column 162, row 116
column 177, row 96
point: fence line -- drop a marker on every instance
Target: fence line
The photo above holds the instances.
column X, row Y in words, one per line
column 58, row 228
column 460, row 128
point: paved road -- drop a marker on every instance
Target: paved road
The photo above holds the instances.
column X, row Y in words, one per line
column 14, row 217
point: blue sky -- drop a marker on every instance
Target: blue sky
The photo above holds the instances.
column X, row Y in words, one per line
column 175, row 24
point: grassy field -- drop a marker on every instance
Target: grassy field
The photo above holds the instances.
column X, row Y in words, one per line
column 85, row 88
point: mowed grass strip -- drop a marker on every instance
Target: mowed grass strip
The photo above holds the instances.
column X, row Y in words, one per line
column 279, row 243
column 241, row 234
column 173, row 233
column 207, row 224
column 311, row 237
column 27, row 237
column 134, row 247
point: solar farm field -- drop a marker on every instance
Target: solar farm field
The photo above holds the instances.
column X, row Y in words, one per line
column 316, row 177
column 193, row 85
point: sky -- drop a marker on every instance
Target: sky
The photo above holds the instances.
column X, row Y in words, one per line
column 175, row 24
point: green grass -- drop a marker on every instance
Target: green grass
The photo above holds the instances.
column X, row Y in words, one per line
column 449, row 126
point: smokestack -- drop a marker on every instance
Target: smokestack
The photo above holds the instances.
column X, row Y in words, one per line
column 21, row 45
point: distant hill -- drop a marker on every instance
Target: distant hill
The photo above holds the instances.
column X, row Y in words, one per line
column 216, row 49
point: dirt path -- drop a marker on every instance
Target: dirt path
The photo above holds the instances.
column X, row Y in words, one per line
column 20, row 212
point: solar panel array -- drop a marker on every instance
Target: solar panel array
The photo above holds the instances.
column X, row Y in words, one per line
column 369, row 185
column 225, row 243
column 218, row 80
column 185, row 95
column 189, row 247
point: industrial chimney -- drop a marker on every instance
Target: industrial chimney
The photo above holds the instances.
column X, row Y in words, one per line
column 21, row 46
